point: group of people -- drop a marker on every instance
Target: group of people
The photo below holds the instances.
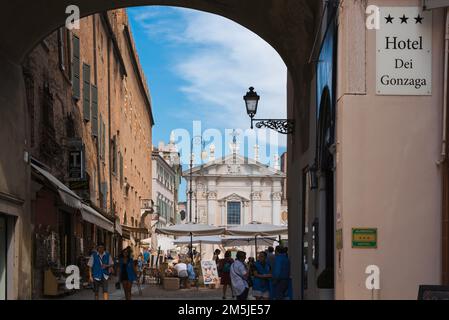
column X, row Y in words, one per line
column 185, row 272
column 268, row 276
column 102, row 267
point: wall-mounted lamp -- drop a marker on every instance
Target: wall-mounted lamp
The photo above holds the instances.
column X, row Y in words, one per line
column 284, row 126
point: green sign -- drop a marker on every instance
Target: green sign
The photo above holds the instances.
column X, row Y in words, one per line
column 364, row 238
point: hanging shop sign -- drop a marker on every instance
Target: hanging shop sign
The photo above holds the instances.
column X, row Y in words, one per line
column 364, row 238
column 76, row 160
column 404, row 51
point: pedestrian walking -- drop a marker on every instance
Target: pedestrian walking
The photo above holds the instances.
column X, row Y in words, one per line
column 127, row 271
column 146, row 256
column 280, row 274
column 140, row 272
column 262, row 274
column 100, row 268
column 190, row 272
column 224, row 269
column 239, row 277
column 270, row 256
column 216, row 257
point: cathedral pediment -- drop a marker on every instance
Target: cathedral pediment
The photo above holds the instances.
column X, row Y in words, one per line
column 234, row 165
column 234, row 197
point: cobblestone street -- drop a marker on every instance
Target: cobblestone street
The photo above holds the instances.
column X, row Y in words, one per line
column 151, row 292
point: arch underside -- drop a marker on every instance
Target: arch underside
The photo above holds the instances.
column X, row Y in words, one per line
column 287, row 25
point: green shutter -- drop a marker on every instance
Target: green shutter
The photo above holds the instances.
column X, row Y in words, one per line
column 76, row 67
column 103, row 140
column 94, row 111
column 114, row 155
column 104, row 192
column 100, row 140
column 86, row 91
column 121, row 169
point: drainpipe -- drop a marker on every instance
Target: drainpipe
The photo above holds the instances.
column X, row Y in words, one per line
column 445, row 164
column 445, row 88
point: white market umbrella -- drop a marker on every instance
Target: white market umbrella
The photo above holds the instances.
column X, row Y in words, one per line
column 246, row 241
column 191, row 230
column 202, row 240
column 257, row 229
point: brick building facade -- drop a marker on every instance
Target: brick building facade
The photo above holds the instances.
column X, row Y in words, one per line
column 90, row 123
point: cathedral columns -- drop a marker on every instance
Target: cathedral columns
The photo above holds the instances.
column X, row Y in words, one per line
column 223, row 217
column 276, row 198
column 212, row 208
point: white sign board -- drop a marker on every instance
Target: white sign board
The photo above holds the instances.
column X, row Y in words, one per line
column 210, row 272
column 404, row 51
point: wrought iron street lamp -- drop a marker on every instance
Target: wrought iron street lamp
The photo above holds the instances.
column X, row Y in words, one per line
column 284, row 126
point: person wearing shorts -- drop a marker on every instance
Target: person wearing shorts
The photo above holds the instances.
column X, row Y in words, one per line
column 100, row 267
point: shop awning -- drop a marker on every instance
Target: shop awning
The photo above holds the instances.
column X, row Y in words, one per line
column 118, row 227
column 67, row 196
column 91, row 215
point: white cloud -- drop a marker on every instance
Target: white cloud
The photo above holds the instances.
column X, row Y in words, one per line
column 223, row 59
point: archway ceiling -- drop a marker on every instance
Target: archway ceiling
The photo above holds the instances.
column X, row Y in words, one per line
column 287, row 25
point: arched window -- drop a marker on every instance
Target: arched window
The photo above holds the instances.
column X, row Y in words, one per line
column 234, row 213
column 125, row 220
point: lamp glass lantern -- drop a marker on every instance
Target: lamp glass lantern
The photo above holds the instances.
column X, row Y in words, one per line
column 252, row 101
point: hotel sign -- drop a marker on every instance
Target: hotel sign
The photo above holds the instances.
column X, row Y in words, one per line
column 404, row 51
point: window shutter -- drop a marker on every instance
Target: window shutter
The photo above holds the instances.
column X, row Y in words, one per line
column 86, row 91
column 121, row 169
column 76, row 68
column 103, row 139
column 104, row 192
column 100, row 140
column 94, row 111
column 114, row 155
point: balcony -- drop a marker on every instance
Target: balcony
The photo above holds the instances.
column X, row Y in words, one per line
column 146, row 207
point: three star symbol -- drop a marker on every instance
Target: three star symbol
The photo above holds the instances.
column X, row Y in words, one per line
column 404, row 19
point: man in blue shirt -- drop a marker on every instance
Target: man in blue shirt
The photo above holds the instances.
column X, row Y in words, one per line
column 100, row 268
column 281, row 274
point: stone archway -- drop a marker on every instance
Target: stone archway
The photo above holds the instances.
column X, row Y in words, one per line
column 289, row 26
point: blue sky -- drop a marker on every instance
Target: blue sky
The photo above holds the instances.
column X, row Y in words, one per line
column 198, row 68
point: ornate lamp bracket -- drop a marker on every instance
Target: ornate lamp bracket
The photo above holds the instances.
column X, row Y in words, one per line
column 283, row 126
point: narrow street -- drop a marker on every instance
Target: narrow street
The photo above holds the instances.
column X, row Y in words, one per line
column 150, row 292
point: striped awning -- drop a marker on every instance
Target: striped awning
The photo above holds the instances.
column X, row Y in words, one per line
column 93, row 216
column 67, row 196
column 71, row 199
